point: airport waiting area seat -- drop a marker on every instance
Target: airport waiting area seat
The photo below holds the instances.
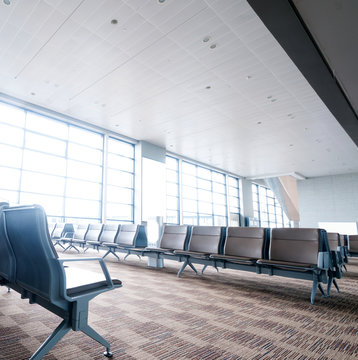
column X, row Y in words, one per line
column 108, row 235
column 130, row 239
column 353, row 245
column 29, row 264
column 204, row 241
column 337, row 260
column 77, row 238
column 243, row 247
column 173, row 237
column 60, row 231
column 299, row 253
column 93, row 234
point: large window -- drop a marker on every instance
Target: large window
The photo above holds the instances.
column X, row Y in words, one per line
column 201, row 196
column 60, row 166
column 267, row 209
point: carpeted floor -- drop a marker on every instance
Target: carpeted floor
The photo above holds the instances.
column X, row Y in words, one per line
column 227, row 315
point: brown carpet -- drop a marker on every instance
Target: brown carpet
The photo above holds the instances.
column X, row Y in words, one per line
column 227, row 315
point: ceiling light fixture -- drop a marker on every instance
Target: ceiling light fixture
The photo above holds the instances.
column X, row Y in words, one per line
column 208, row 87
column 206, row 39
column 213, row 46
column 161, row 1
column 114, row 21
column 7, row 2
column 248, row 77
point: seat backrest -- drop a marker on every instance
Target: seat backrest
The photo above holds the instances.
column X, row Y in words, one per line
column 206, row 239
column 81, row 231
column 245, row 241
column 7, row 257
column 51, row 228
column 174, row 237
column 299, row 245
column 333, row 239
column 36, row 267
column 57, row 231
column 353, row 243
column 109, row 233
column 94, row 231
column 127, row 235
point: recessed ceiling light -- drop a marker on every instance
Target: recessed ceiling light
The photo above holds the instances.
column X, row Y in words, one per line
column 161, row 1
column 259, row 122
column 208, row 87
column 7, row 2
column 206, row 39
column 289, row 115
column 273, row 100
column 269, row 97
column 291, row 145
column 213, row 46
column 248, row 77
column 114, row 21
column 33, row 94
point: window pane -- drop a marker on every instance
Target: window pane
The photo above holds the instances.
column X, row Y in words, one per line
column 12, row 115
column 189, row 180
column 205, row 207
column 79, row 170
column 219, row 199
column 189, row 192
column 119, row 178
column 45, row 144
column 120, row 162
column 84, row 153
column 234, row 219
column 53, row 205
column 171, row 163
column 83, row 189
column 219, row 210
column 188, row 168
column 46, row 126
column 172, row 189
column 85, row 137
column 234, row 191
column 36, row 161
column 221, row 221
column 9, row 196
column 119, row 211
column 190, row 205
column 120, row 147
column 118, row 194
column 41, row 183
column 204, row 173
column 172, row 217
column 219, row 188
column 190, row 218
column 172, row 203
column 204, row 184
column 82, row 208
column 10, row 156
column 217, row 177
column 205, row 220
column 172, row 176
column 11, row 135
column 9, row 178
column 204, row 195
column 233, row 182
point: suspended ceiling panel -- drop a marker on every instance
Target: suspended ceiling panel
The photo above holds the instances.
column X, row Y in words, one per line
column 204, row 79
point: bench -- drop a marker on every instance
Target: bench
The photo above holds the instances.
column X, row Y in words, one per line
column 298, row 253
column 204, row 241
column 353, row 245
column 30, row 266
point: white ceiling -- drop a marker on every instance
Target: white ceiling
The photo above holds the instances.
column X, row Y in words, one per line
column 147, row 77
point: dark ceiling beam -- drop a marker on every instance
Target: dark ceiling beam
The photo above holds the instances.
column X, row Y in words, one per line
column 283, row 21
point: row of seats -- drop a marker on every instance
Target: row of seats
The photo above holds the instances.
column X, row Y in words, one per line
column 300, row 253
column 29, row 264
column 309, row 254
column 112, row 237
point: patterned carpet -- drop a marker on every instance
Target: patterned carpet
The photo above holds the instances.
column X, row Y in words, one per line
column 227, row 315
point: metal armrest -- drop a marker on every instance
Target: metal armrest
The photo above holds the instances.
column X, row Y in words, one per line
column 104, row 270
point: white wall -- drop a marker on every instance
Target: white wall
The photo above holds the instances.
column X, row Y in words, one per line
column 328, row 198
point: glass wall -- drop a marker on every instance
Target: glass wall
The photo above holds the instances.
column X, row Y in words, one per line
column 60, row 166
column 267, row 209
column 201, row 196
